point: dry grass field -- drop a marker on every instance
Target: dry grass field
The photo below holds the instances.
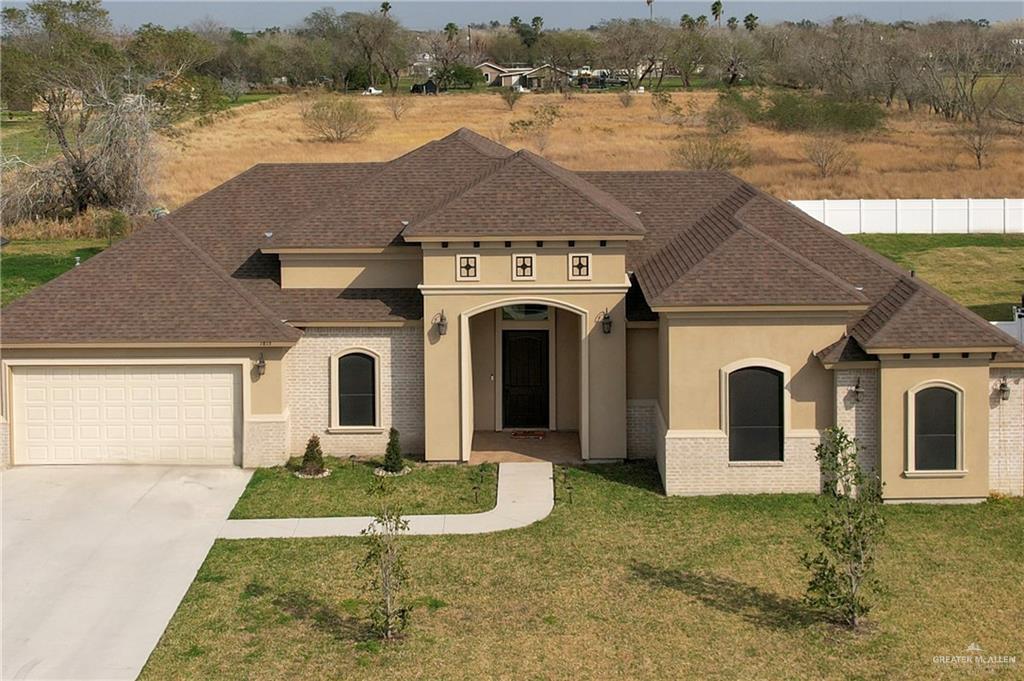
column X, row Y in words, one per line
column 913, row 156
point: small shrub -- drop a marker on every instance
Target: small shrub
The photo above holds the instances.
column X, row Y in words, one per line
column 712, row 152
column 510, row 96
column 849, row 526
column 829, row 155
column 313, row 458
column 538, row 127
column 724, row 119
column 338, row 119
column 398, row 105
column 113, row 226
column 665, row 108
column 393, row 454
column 626, row 97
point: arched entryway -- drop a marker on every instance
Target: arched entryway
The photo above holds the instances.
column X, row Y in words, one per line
column 520, row 381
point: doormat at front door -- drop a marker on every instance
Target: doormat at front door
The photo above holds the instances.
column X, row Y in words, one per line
column 528, row 434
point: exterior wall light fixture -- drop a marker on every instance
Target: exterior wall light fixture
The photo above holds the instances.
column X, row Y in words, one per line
column 1004, row 390
column 857, row 392
column 441, row 322
column 261, row 365
column 606, row 321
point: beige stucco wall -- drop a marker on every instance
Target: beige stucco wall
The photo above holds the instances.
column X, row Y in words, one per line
column 444, row 373
column 897, row 378
column 481, row 331
column 641, row 363
column 608, row 263
column 567, row 370
column 394, row 268
column 699, row 346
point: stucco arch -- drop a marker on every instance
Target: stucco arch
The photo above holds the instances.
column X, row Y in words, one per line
column 466, row 370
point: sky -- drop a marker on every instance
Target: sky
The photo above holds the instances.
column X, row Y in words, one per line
column 249, row 15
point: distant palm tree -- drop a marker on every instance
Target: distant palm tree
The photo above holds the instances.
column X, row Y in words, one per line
column 687, row 22
column 514, row 21
column 750, row 21
column 716, row 11
column 733, row 23
column 451, row 31
column 385, row 8
column 702, row 21
column 650, row 4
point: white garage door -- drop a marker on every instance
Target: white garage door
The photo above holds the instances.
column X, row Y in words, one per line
column 126, row 414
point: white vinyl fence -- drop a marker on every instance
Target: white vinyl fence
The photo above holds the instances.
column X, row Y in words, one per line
column 918, row 216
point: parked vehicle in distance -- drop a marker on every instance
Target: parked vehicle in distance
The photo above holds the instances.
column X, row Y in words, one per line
column 372, row 91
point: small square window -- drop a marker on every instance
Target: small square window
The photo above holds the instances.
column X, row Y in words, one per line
column 523, row 267
column 467, row 268
column 579, row 266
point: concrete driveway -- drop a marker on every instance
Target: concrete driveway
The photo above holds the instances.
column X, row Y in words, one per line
column 96, row 560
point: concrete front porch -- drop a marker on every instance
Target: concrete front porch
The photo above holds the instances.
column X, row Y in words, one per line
column 559, row 447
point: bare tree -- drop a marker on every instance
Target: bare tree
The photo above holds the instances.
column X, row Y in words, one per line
column 829, row 155
column 977, row 136
column 634, row 48
column 398, row 105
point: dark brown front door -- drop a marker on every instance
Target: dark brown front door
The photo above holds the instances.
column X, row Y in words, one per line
column 524, row 378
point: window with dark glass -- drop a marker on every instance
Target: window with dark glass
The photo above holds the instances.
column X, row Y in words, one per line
column 357, row 398
column 580, row 266
column 935, row 424
column 467, row 267
column 755, row 415
column 524, row 266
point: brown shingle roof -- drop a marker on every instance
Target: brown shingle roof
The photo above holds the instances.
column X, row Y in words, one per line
column 370, row 214
column 526, row 195
column 708, row 239
column 157, row 287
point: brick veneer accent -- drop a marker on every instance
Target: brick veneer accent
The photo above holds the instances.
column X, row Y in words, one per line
column 1006, row 433
column 265, row 442
column 694, row 463
column 860, row 419
column 641, row 429
column 307, row 386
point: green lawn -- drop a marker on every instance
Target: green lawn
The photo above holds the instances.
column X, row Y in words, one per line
column 249, row 98
column 985, row 272
column 276, row 493
column 27, row 264
column 22, row 134
column 621, row 582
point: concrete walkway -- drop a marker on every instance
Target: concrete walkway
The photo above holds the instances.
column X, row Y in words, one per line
column 525, row 495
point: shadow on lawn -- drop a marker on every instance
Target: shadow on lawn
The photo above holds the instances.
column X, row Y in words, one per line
column 641, row 474
column 755, row 605
column 319, row 615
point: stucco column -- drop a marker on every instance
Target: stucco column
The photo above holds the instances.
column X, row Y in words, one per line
column 441, row 381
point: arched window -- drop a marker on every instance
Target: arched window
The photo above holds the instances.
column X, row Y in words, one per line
column 936, row 433
column 355, row 388
column 755, row 414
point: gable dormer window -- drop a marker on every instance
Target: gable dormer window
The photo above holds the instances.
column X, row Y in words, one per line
column 467, row 268
column 579, row 266
column 523, row 267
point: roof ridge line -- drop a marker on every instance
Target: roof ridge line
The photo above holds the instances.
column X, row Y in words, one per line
column 927, row 289
column 531, row 157
column 686, row 234
column 458, row 191
column 265, row 310
column 797, row 257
